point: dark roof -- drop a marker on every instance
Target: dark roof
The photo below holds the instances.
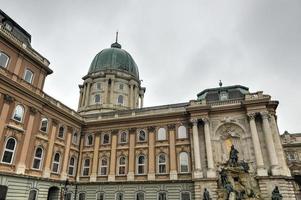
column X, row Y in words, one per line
column 234, row 92
column 5, row 18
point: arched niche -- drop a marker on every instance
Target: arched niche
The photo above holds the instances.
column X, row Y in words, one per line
column 230, row 134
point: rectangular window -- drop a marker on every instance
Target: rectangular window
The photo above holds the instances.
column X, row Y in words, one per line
column 100, row 196
column 28, row 76
column 82, row 196
column 3, row 60
column 3, row 191
column 162, row 196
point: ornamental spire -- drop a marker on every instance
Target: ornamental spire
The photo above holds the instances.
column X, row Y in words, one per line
column 116, row 44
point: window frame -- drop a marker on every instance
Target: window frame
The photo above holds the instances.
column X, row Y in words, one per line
column 182, row 192
column 72, row 166
column 84, row 167
column 100, row 193
column 7, row 61
column 41, row 123
column 161, row 192
column 122, row 165
column 141, row 165
column 159, row 134
column 120, row 99
column 165, row 163
column 119, row 193
column 31, row 78
column 179, row 132
column 138, row 135
column 87, row 139
column 15, row 111
column 80, row 193
column 56, row 162
column 99, row 98
column 37, row 158
column 9, row 150
column 75, row 142
column 140, row 192
column 101, row 166
column 36, row 193
column 103, row 139
column 188, row 170
column 120, row 137
column 64, row 131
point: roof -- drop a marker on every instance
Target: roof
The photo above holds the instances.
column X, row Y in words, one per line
column 114, row 58
column 235, row 91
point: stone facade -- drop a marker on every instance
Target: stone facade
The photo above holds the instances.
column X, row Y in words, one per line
column 119, row 149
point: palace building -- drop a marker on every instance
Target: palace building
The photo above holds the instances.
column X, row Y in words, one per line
column 114, row 148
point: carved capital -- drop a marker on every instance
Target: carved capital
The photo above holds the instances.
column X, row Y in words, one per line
column 194, row 121
column 252, row 115
column 132, row 130
column 205, row 120
column 70, row 129
column 265, row 115
column 33, row 110
column 115, row 131
column 151, row 128
column 54, row 121
column 171, row 127
column 8, row 99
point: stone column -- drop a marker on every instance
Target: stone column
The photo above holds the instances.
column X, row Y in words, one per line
column 93, row 176
column 261, row 171
column 173, row 174
column 4, row 112
column 64, row 174
column 79, row 161
column 270, row 143
column 285, row 170
column 21, row 166
column 142, row 101
column 131, row 172
column 151, row 154
column 111, row 176
column 196, row 147
column 131, row 96
column 51, row 140
column 211, row 173
column 112, row 100
column 88, row 93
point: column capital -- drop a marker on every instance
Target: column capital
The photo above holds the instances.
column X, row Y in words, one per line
column 265, row 115
column 205, row 120
column 251, row 115
column 132, row 129
column 194, row 121
column 8, row 99
column 33, row 110
column 151, row 128
column 171, row 127
column 54, row 121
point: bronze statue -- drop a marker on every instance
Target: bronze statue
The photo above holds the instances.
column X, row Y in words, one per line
column 224, row 178
column 206, row 195
column 233, row 156
column 276, row 194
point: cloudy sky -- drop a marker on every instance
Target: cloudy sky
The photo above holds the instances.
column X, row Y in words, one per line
column 181, row 47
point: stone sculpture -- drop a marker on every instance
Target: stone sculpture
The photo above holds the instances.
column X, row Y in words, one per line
column 276, row 194
column 206, row 195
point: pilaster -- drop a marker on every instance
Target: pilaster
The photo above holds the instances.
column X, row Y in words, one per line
column 4, row 112
column 151, row 154
column 131, row 172
column 66, row 155
column 198, row 173
column 93, row 176
column 111, row 176
column 173, row 174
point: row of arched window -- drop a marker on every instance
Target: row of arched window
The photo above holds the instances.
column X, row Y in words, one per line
column 97, row 99
column 141, row 136
column 141, row 165
column 18, row 115
column 38, row 157
column 140, row 195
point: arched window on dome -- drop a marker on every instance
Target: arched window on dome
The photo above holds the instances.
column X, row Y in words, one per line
column 120, row 99
column 97, row 98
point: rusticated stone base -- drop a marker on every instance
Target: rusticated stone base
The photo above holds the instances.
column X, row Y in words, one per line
column 285, row 185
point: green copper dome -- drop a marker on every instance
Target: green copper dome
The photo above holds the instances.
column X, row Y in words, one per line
column 114, row 58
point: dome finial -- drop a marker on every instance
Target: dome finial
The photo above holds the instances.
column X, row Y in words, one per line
column 116, row 44
column 220, row 83
column 116, row 37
